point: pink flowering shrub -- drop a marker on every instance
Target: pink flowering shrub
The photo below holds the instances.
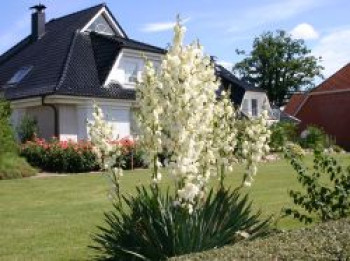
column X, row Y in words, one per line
column 74, row 157
column 60, row 156
column 132, row 154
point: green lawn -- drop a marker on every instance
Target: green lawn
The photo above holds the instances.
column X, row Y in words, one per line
column 53, row 218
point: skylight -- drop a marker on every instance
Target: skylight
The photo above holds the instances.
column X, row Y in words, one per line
column 19, row 75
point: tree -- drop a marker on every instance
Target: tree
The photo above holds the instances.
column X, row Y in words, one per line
column 280, row 65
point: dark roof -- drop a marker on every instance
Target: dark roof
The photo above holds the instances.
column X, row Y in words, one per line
column 131, row 44
column 67, row 62
column 237, row 86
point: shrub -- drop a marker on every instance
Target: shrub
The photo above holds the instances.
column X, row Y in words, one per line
column 314, row 138
column 326, row 241
column 12, row 167
column 295, row 150
column 151, row 227
column 132, row 154
column 337, row 149
column 7, row 140
column 27, row 129
column 328, row 200
column 281, row 133
column 60, row 156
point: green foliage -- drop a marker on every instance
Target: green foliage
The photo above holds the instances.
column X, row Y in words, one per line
column 337, row 149
column 315, row 138
column 281, row 133
column 62, row 157
column 133, row 159
column 279, row 64
column 295, row 149
column 27, row 130
column 327, row 189
column 326, row 241
column 7, row 140
column 151, row 227
column 13, row 167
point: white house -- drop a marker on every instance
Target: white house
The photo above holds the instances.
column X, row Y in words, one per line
column 58, row 71
column 249, row 99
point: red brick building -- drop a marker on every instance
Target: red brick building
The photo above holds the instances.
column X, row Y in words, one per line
column 327, row 106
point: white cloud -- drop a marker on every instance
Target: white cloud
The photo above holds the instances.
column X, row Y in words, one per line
column 273, row 12
column 334, row 50
column 226, row 64
column 304, row 31
column 160, row 27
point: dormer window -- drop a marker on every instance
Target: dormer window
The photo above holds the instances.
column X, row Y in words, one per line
column 131, row 71
column 101, row 25
column 19, row 75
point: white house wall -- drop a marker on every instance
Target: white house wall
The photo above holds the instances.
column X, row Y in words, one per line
column 45, row 118
column 117, row 74
column 68, row 122
column 118, row 117
column 16, row 116
column 262, row 101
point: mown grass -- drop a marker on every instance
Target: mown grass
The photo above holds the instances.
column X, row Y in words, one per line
column 53, row 218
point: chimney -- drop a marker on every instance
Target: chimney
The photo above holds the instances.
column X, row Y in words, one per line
column 38, row 21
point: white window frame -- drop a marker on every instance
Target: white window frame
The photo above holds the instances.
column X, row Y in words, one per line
column 134, row 73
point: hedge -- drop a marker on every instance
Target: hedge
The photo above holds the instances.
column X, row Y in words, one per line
column 326, row 241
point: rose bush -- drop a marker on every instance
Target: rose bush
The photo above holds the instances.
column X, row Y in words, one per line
column 60, row 156
column 74, row 157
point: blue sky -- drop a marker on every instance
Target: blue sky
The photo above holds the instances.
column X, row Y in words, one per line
column 221, row 26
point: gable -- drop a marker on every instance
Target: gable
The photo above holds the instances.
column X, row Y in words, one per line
column 104, row 23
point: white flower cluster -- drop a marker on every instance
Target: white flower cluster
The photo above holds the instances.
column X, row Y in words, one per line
column 177, row 112
column 255, row 145
column 224, row 135
column 107, row 152
column 149, row 113
column 180, row 115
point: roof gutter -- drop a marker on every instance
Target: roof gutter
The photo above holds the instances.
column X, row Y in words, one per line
column 55, row 115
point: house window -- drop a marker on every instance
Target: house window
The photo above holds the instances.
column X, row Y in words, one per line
column 131, row 70
column 245, row 106
column 254, row 107
column 101, row 25
column 19, row 75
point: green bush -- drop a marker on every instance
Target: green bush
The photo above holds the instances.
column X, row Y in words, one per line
column 281, row 134
column 314, row 138
column 326, row 241
column 337, row 149
column 27, row 130
column 150, row 226
column 132, row 154
column 7, row 140
column 295, row 150
column 12, row 167
column 327, row 189
column 60, row 156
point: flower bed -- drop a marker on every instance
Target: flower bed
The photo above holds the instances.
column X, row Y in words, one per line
column 60, row 156
column 74, row 157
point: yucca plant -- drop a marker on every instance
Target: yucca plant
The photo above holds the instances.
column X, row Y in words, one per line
column 149, row 226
